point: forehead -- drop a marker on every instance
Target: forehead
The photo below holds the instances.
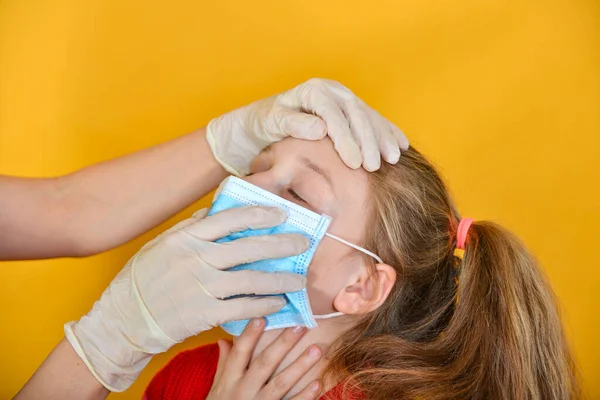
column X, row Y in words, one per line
column 321, row 153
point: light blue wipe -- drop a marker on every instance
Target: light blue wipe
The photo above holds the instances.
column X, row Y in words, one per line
column 297, row 302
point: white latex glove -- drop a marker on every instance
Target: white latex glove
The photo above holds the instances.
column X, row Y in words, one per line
column 311, row 111
column 173, row 289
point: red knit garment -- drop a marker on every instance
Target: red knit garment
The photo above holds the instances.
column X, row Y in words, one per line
column 190, row 375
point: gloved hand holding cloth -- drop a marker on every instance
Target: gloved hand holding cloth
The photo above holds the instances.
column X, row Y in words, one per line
column 175, row 287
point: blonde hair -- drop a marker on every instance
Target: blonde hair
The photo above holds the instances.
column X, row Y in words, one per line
column 502, row 339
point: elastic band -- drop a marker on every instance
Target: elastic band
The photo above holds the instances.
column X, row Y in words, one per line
column 461, row 232
column 347, row 243
column 461, row 237
column 327, row 316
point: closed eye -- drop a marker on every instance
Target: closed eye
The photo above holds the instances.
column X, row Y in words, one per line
column 295, row 195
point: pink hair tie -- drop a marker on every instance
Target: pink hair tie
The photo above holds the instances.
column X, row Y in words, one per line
column 461, row 236
column 461, row 233
column 459, row 251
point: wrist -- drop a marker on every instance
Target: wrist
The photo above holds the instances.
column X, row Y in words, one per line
column 213, row 146
column 232, row 143
column 63, row 376
column 118, row 337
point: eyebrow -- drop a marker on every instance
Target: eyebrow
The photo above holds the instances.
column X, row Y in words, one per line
column 308, row 163
column 266, row 150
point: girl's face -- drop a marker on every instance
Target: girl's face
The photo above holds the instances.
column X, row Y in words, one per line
column 311, row 174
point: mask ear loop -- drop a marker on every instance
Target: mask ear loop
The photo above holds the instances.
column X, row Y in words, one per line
column 327, row 316
column 347, row 243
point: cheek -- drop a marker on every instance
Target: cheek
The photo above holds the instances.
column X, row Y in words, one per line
column 325, row 277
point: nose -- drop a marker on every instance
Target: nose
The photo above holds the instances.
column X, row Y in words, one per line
column 265, row 180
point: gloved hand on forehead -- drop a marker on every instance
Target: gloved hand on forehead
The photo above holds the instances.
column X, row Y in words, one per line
column 311, row 111
column 174, row 287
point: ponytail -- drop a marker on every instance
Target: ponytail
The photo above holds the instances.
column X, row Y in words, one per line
column 506, row 329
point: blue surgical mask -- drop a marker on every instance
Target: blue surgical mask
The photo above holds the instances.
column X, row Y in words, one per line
column 235, row 192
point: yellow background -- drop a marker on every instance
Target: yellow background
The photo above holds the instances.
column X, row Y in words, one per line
column 503, row 94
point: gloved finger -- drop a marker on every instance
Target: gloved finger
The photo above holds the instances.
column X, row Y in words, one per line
column 203, row 212
column 383, row 128
column 177, row 226
column 336, row 87
column 252, row 248
column 241, row 352
column 180, row 225
column 401, row 137
column 316, row 99
column 299, row 124
column 360, row 125
column 235, row 220
column 388, row 144
column 225, row 284
column 224, row 350
column 241, row 308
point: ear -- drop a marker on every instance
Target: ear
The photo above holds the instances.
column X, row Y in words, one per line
column 366, row 291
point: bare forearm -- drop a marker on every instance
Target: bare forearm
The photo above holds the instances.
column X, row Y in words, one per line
column 62, row 376
column 28, row 209
column 115, row 201
column 104, row 205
